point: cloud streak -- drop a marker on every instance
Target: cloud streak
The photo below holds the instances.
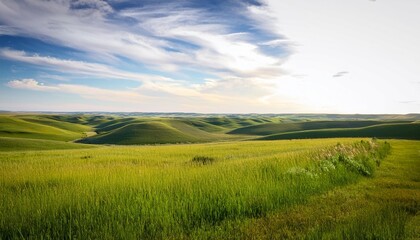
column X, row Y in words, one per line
column 227, row 88
column 77, row 67
column 159, row 36
column 340, row 74
column 172, row 37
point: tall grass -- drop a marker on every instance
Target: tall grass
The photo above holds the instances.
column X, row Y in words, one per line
column 157, row 192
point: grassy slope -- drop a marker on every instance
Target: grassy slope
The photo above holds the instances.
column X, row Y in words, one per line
column 200, row 130
column 84, row 119
column 384, row 207
column 401, row 131
column 202, row 125
column 116, row 123
column 234, row 122
column 159, row 130
column 47, row 120
column 156, row 192
column 141, row 133
column 11, row 126
column 20, row 144
column 121, row 130
column 156, row 131
column 275, row 128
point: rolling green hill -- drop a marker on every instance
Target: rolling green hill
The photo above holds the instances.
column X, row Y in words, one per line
column 274, row 128
column 202, row 125
column 84, row 119
column 158, row 132
column 116, row 123
column 19, row 144
column 397, row 131
column 121, row 130
column 49, row 121
column 11, row 126
column 236, row 122
column 129, row 131
column 194, row 127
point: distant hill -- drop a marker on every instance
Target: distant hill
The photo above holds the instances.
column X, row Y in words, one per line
column 39, row 127
column 397, row 130
column 91, row 117
column 17, row 144
column 150, row 129
column 151, row 133
column 273, row 128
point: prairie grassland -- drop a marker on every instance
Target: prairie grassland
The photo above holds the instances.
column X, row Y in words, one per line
column 386, row 206
column 162, row 192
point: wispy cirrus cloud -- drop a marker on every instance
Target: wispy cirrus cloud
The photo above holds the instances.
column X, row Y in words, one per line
column 211, row 40
column 77, row 67
column 168, row 36
column 227, row 88
column 221, row 41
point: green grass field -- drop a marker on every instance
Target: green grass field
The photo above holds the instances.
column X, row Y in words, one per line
column 159, row 192
column 231, row 187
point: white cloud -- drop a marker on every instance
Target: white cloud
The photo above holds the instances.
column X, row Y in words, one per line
column 85, row 25
column 30, row 84
column 78, row 67
column 238, row 90
column 217, row 47
column 83, row 28
column 167, row 37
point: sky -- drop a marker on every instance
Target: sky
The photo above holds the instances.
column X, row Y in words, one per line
column 210, row 56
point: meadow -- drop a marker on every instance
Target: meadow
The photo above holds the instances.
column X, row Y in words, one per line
column 231, row 187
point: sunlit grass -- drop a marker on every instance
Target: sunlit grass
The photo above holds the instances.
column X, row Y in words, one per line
column 159, row 192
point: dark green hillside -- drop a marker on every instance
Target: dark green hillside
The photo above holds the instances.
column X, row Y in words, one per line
column 398, row 131
column 143, row 133
column 116, row 123
column 194, row 127
column 235, row 122
column 157, row 131
column 84, row 119
column 273, row 128
column 121, row 122
column 202, row 125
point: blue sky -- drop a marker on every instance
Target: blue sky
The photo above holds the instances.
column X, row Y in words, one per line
column 209, row 56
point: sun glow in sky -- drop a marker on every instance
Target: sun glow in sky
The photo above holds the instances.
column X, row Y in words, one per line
column 210, row 56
